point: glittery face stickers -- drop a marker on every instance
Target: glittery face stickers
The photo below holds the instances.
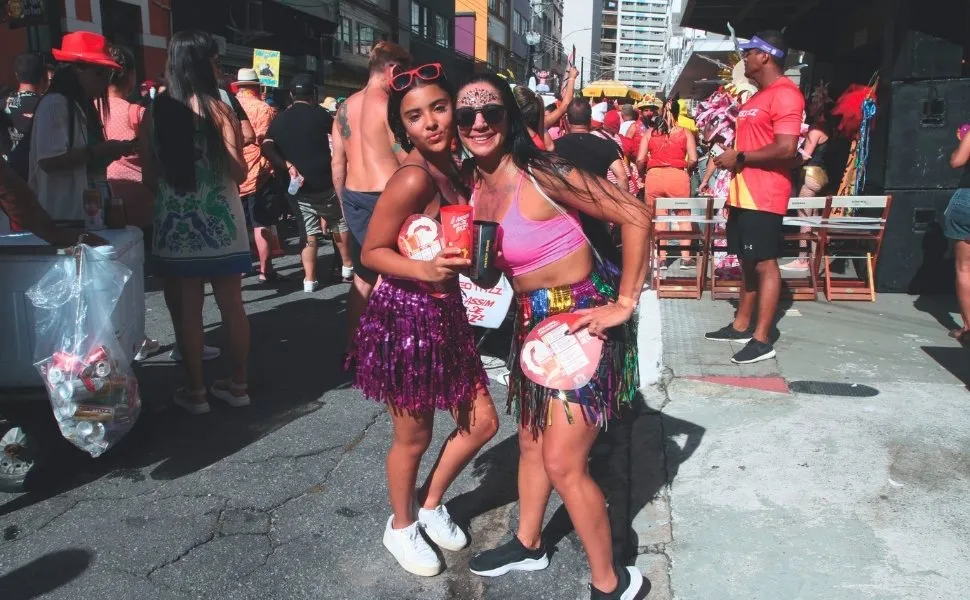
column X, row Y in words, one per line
column 478, row 95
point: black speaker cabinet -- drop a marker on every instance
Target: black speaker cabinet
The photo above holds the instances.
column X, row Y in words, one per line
column 923, row 56
column 913, row 258
column 915, row 133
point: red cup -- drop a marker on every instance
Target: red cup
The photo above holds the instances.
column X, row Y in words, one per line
column 456, row 223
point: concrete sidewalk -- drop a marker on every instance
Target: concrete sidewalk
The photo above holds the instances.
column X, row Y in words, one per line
column 850, row 480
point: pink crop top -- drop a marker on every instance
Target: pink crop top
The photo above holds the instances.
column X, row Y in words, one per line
column 528, row 245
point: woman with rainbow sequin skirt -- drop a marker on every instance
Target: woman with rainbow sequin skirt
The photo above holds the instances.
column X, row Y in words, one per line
column 536, row 197
column 415, row 350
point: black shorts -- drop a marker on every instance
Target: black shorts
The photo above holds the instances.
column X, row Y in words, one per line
column 754, row 234
column 260, row 207
column 358, row 209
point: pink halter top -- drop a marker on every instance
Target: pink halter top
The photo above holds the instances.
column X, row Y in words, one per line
column 528, row 245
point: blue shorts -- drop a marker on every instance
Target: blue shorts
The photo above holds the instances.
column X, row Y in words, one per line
column 956, row 218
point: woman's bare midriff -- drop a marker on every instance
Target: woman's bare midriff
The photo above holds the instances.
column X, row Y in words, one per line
column 570, row 269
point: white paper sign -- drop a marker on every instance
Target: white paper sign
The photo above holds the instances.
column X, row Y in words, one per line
column 486, row 308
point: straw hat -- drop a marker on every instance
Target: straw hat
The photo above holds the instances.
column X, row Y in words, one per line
column 247, row 76
column 329, row 103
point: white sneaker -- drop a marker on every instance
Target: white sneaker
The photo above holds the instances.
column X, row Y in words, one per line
column 410, row 550
column 208, row 353
column 347, row 272
column 310, row 286
column 441, row 529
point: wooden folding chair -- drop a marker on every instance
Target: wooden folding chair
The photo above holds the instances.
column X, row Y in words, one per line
column 857, row 237
column 722, row 287
column 681, row 287
column 804, row 288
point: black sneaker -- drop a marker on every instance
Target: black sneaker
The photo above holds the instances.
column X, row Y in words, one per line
column 754, row 351
column 729, row 334
column 631, row 586
column 510, row 556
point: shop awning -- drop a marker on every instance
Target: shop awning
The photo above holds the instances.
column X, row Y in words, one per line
column 610, row 89
column 746, row 16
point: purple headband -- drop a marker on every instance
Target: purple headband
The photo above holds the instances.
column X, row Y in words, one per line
column 757, row 43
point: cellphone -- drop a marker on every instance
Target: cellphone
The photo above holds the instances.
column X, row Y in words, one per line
column 716, row 150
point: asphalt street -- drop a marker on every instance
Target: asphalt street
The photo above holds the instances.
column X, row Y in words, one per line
column 282, row 499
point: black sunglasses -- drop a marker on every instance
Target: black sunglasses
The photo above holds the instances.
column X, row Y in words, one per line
column 492, row 113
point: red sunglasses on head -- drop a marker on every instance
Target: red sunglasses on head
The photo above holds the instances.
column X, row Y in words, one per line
column 402, row 80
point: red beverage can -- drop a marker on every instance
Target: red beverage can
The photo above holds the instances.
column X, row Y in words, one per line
column 456, row 224
column 102, row 369
column 93, row 384
column 66, row 362
column 98, row 354
column 55, row 376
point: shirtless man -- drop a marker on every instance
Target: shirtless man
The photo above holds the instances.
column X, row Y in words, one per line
column 365, row 155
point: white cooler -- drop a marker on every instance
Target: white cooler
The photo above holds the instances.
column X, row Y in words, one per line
column 24, row 259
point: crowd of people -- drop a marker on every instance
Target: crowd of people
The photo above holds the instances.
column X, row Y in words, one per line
column 206, row 167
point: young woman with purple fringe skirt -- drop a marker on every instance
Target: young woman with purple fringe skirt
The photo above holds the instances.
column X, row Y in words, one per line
column 415, row 350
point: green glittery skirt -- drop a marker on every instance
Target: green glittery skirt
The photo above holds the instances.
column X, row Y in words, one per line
column 616, row 380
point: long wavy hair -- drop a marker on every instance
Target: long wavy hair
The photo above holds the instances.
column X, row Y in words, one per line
column 189, row 75
column 527, row 157
column 67, row 83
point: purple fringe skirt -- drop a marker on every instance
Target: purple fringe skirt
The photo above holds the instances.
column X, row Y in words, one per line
column 415, row 351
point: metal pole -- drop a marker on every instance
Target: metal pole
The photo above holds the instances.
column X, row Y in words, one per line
column 582, row 67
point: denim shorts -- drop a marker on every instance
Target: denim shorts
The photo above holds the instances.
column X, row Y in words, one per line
column 956, row 218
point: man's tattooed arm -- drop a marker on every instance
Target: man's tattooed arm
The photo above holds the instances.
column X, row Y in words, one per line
column 343, row 120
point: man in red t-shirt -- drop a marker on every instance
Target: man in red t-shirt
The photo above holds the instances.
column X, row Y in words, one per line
column 768, row 126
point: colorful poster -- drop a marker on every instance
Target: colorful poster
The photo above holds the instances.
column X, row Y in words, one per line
column 266, row 63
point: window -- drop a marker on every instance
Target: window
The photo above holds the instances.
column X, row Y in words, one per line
column 416, row 18
column 518, row 23
column 346, row 33
column 503, row 8
column 493, row 5
column 420, row 20
column 367, row 36
column 442, row 34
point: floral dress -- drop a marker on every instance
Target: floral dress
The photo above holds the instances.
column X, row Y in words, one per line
column 200, row 233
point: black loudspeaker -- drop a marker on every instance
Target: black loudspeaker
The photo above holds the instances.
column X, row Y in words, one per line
column 923, row 56
column 915, row 133
column 913, row 258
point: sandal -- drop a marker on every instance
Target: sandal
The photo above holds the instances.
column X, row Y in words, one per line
column 223, row 389
column 958, row 334
column 272, row 277
column 189, row 401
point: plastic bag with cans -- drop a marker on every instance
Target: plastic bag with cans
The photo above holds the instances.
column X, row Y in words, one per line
column 89, row 379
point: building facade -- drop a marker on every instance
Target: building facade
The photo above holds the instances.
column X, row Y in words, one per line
column 633, row 38
column 145, row 26
column 304, row 34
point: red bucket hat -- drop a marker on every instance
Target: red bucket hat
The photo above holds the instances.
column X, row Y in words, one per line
column 85, row 47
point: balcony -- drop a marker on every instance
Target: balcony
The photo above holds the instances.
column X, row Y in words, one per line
column 609, row 20
column 627, row 34
column 647, row 9
column 610, row 6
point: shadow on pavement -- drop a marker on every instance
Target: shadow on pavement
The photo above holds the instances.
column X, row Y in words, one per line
column 295, row 359
column 45, row 574
column 630, row 480
column 941, row 307
column 953, row 359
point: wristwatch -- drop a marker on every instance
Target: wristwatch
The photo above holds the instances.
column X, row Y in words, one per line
column 740, row 158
